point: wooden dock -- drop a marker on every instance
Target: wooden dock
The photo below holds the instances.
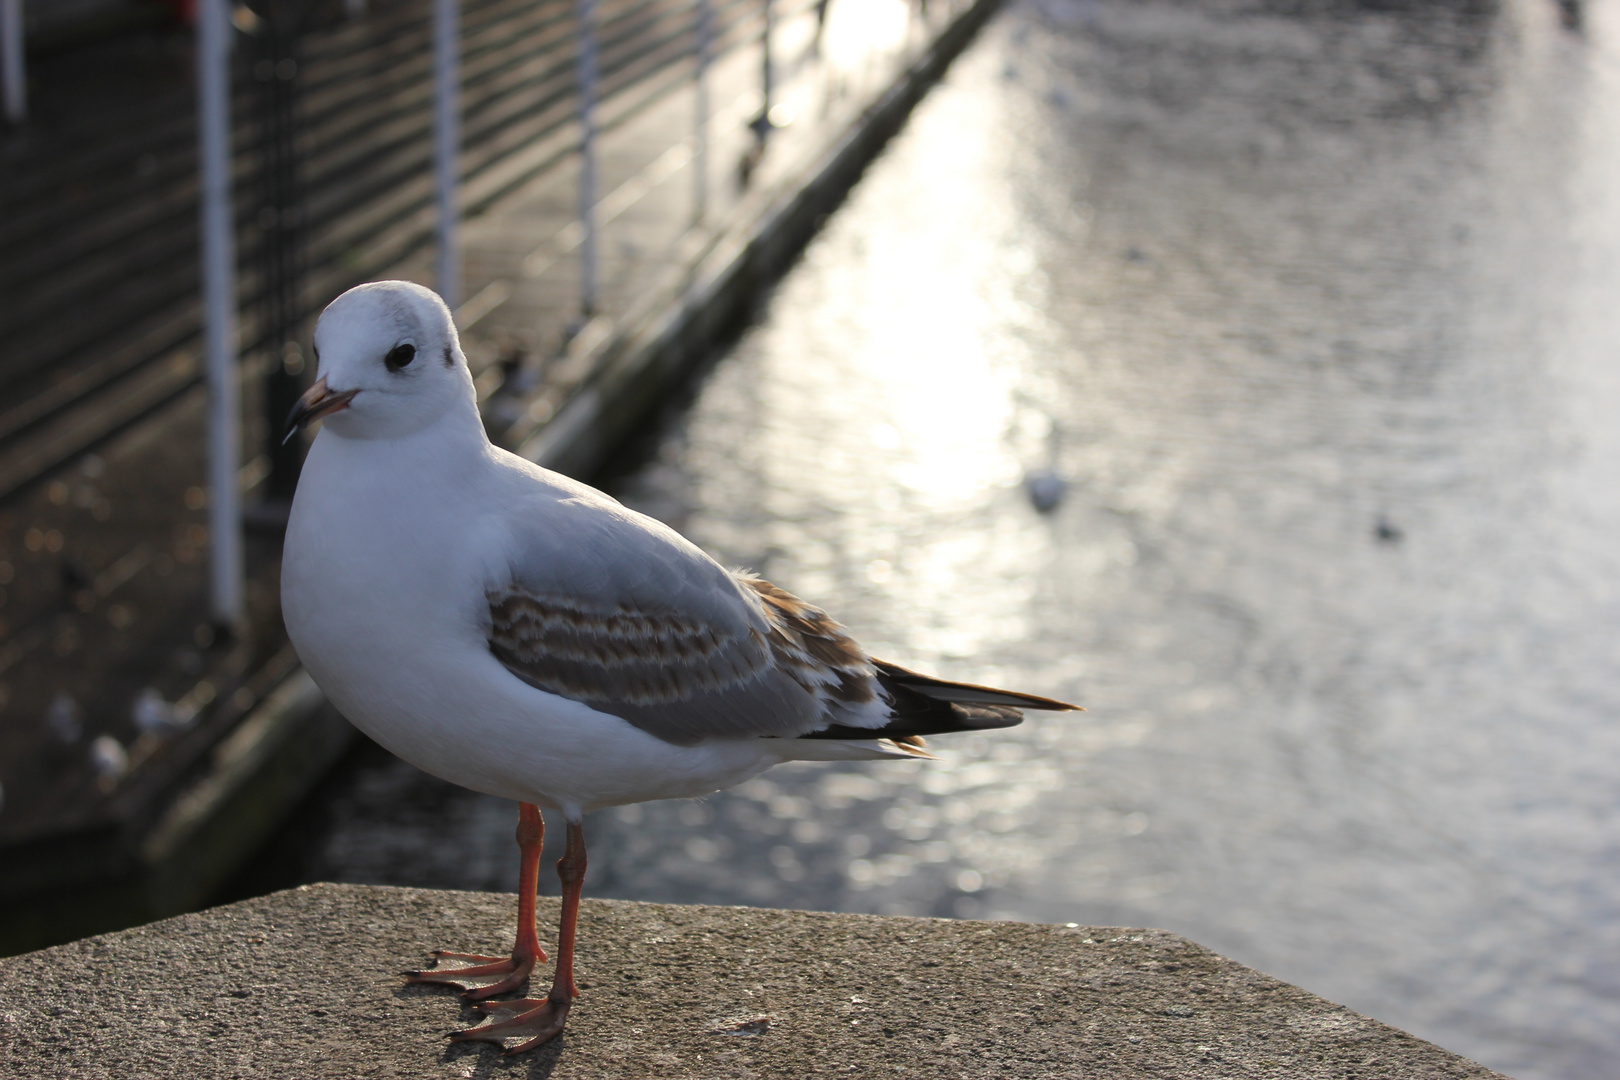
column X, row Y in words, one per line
column 114, row 815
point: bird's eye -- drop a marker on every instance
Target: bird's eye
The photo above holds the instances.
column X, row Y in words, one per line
column 399, row 356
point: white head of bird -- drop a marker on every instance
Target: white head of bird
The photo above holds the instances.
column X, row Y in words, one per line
column 389, row 364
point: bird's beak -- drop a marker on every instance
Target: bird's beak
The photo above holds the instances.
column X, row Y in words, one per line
column 318, row 401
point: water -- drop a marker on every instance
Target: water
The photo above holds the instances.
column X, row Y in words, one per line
column 1310, row 306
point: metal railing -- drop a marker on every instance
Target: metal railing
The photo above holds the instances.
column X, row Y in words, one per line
column 105, row 267
column 98, row 220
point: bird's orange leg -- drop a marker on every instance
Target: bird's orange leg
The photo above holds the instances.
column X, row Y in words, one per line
column 485, row 976
column 531, row 1021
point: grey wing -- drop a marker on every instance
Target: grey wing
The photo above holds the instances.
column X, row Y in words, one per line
column 614, row 610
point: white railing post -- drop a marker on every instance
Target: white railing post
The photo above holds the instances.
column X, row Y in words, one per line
column 13, row 70
column 219, row 310
column 587, row 156
column 447, row 143
column 700, row 144
column 765, row 71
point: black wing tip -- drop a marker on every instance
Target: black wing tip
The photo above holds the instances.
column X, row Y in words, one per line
column 961, row 693
column 1050, row 705
column 986, row 717
column 923, row 705
column 916, row 715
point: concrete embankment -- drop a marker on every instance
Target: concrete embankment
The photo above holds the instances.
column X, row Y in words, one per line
column 304, row 984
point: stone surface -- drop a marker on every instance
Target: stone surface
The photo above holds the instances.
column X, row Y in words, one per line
column 305, row 983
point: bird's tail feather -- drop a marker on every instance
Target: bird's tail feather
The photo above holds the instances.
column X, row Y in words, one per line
column 923, row 705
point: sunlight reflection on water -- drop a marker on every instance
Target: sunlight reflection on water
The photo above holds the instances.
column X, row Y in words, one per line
column 1313, row 314
column 1292, row 305
column 853, row 30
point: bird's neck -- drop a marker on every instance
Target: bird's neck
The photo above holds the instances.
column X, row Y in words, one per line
column 450, row 448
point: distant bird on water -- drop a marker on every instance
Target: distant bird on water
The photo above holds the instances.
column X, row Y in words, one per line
column 521, row 634
column 1045, row 484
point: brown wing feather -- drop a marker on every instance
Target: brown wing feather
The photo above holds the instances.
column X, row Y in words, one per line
column 809, row 645
column 617, row 653
column 682, row 679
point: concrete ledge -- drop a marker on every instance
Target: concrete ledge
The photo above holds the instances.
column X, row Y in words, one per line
column 304, row 984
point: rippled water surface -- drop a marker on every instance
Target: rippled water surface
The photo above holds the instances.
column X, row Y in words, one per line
column 1313, row 309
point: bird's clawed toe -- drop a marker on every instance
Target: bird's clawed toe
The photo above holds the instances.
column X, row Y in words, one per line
column 480, row 976
column 516, row 1026
column 528, row 1021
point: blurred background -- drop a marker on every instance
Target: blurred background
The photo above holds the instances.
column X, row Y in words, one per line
column 1244, row 371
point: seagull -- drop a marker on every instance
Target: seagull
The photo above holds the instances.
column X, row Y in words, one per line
column 522, row 634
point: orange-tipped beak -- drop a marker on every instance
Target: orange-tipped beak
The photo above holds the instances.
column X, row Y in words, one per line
column 318, row 401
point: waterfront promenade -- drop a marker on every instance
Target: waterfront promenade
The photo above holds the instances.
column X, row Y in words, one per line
column 145, row 754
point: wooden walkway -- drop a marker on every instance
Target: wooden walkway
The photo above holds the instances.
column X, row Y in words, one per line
column 119, row 704
column 526, row 335
column 98, row 194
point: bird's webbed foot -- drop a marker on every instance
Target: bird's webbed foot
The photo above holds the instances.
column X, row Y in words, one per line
column 516, row 1026
column 479, row 976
